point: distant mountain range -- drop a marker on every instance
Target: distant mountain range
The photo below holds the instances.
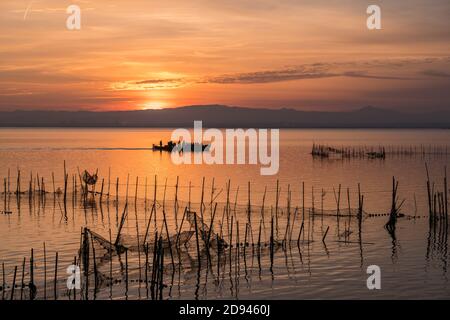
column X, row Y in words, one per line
column 220, row 116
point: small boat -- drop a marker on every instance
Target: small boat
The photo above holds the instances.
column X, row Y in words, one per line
column 180, row 147
column 376, row 155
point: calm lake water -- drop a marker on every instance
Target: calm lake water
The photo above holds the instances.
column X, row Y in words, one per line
column 413, row 262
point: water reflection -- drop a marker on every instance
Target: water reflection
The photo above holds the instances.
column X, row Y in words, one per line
column 307, row 253
column 278, row 243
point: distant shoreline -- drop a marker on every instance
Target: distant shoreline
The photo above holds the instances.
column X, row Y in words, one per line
column 217, row 116
column 243, row 127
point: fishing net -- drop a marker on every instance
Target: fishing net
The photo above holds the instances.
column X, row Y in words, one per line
column 205, row 232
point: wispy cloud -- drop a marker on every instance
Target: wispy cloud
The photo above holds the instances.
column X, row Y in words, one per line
column 436, row 73
column 389, row 69
column 293, row 73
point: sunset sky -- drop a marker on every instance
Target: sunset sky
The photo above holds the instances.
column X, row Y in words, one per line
column 147, row 54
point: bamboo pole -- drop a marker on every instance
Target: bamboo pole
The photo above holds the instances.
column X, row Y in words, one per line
column 122, row 222
column 168, row 238
column 95, row 266
column 325, row 235
column 445, row 193
column 154, row 266
column 126, row 270
column 101, row 191
column 110, row 265
column 3, row 281
column 53, row 183
column 22, row 282
column 271, row 245
column 117, row 191
column 136, row 192
column 14, row 283
column 197, row 240
column 56, row 277
column 45, row 273
column 18, row 191
column 32, row 275
column 109, row 182
column 276, row 206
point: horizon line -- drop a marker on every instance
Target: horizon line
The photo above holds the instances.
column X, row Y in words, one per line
column 368, row 107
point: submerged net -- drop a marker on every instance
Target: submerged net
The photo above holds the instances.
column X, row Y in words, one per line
column 206, row 233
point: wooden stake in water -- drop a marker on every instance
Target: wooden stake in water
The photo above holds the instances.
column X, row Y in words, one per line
column 110, row 265
column 53, row 182
column 109, row 182
column 177, row 241
column 161, row 271
column 146, row 267
column 138, row 241
column 45, row 273
column 231, row 240
column 168, row 238
column 176, row 203
column 65, row 184
column 14, row 283
column 300, row 233
column 276, row 206
column 117, row 190
column 122, row 222
column 136, row 192
column 31, row 285
column 303, row 201
column 22, row 282
column 101, row 191
column 445, row 193
column 154, row 266
column 95, row 266
column 3, row 281
column 126, row 194
column 74, row 287
column 325, row 235
column 5, row 197
column 196, row 239
column 56, row 276
column 18, row 191
column 154, row 197
column 145, row 196
column 271, row 244
column 126, row 270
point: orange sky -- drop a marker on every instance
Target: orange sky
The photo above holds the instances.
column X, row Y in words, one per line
column 304, row 54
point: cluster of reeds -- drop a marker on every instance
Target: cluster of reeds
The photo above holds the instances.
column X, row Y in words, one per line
column 395, row 209
column 376, row 152
column 326, row 151
column 437, row 217
column 437, row 199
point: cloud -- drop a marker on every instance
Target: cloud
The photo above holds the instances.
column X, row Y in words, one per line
column 364, row 74
column 295, row 73
column 436, row 73
column 157, row 81
column 150, row 84
column 388, row 69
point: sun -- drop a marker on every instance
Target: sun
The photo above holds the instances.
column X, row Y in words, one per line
column 154, row 105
